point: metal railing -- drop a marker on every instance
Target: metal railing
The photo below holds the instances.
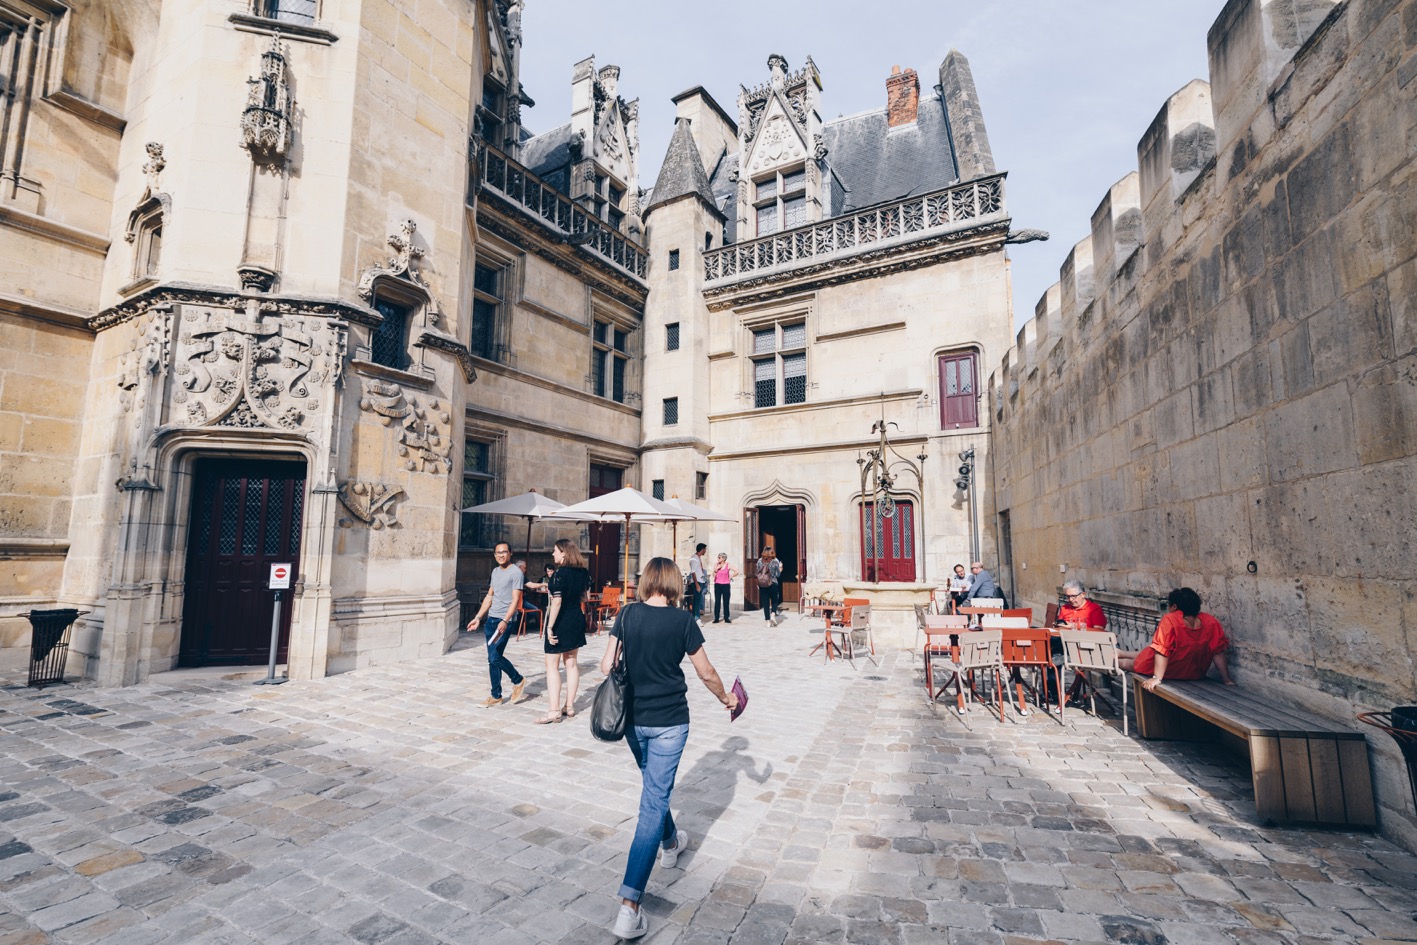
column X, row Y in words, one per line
column 569, row 219
column 978, row 201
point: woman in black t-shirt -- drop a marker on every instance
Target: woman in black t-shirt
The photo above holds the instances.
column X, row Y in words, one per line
column 565, row 628
column 657, row 636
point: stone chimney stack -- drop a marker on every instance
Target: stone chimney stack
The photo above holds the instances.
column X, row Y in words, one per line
column 902, row 97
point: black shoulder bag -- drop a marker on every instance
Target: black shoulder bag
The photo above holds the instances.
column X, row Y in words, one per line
column 610, row 710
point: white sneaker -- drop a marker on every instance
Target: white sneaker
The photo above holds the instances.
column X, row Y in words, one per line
column 630, row 923
column 670, row 858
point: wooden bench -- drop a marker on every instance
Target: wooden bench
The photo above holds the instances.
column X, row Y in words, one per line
column 1304, row 769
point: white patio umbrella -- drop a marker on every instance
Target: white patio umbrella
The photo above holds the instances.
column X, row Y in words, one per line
column 692, row 513
column 623, row 505
column 529, row 505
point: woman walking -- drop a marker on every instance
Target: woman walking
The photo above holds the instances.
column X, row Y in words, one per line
column 656, row 636
column 723, row 575
column 565, row 628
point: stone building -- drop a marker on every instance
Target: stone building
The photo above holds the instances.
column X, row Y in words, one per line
column 809, row 280
column 236, row 314
column 1247, row 297
column 284, row 281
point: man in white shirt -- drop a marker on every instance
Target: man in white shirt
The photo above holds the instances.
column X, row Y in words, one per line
column 699, row 575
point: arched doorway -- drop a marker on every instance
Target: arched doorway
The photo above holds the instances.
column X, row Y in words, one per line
column 782, row 528
column 246, row 514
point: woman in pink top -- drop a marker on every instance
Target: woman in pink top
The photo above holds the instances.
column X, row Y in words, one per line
column 723, row 575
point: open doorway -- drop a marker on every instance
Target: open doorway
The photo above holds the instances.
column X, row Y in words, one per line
column 782, row 528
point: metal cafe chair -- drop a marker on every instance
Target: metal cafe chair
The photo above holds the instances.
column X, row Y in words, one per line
column 1087, row 652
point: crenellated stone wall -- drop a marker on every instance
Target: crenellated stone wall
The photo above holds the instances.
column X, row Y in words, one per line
column 1221, row 391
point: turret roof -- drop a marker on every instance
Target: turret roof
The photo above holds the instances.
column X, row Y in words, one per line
column 682, row 172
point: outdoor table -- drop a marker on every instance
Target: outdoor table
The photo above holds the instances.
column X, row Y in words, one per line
column 826, row 609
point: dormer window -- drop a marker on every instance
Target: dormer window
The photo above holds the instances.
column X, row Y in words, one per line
column 781, row 201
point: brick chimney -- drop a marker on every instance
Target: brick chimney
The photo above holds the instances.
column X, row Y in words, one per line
column 902, row 97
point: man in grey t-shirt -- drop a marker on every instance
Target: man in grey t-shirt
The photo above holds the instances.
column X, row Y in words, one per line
column 502, row 603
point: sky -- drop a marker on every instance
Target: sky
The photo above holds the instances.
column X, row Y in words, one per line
column 1067, row 87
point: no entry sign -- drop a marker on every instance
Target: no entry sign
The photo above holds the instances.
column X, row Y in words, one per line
column 280, row 577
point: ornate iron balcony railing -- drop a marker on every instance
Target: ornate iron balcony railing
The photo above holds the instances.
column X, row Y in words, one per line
column 964, row 205
column 572, row 222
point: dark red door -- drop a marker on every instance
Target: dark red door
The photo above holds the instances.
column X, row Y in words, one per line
column 888, row 549
column 246, row 516
column 752, row 548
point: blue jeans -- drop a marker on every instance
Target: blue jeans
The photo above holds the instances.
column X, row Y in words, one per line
column 497, row 664
column 698, row 601
column 657, row 752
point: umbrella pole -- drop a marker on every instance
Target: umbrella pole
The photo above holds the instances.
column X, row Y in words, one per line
column 528, row 540
column 625, row 575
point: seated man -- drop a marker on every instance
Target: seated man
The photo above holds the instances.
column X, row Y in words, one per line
column 982, row 584
column 1186, row 642
column 1080, row 612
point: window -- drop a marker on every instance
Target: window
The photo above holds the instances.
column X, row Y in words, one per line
column 708, row 241
column 490, row 114
column 671, row 411
column 700, row 485
column 780, row 365
column 288, row 11
column 476, row 529
column 486, row 306
column 673, row 259
column 656, row 489
column 671, row 336
column 608, row 359
column 959, row 390
column 388, row 343
column 781, row 201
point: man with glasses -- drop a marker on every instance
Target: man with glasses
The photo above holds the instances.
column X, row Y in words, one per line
column 504, row 597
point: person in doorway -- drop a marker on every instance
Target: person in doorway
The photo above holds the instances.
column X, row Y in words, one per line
column 982, row 584
column 500, row 607
column 723, row 575
column 656, row 636
column 1186, row 642
column 768, row 574
column 565, row 628
column 698, row 577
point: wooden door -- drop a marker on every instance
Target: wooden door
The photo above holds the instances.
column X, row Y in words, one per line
column 888, row 549
column 246, row 516
column 603, row 556
column 751, row 548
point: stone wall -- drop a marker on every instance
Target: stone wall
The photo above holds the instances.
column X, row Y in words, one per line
column 1220, row 391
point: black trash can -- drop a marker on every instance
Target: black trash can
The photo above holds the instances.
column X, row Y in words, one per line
column 49, row 644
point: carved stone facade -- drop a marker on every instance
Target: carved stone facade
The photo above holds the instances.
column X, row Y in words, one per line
column 200, row 315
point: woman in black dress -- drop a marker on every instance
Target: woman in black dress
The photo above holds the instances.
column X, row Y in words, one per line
column 565, row 628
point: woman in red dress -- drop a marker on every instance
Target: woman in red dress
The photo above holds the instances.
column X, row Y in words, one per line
column 1186, row 642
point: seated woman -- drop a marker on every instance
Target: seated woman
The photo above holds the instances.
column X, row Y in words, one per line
column 1186, row 642
column 1079, row 611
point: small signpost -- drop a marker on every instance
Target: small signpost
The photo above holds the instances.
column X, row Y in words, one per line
column 280, row 581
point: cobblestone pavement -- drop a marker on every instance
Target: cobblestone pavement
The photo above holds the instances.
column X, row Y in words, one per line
column 384, row 807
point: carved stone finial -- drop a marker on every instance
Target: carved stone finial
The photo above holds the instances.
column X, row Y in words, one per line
column 777, row 65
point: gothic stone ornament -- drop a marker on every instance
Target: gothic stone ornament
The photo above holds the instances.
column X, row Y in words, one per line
column 266, row 120
column 146, row 355
column 242, row 368
column 400, row 266
column 424, row 442
column 153, row 168
column 371, row 502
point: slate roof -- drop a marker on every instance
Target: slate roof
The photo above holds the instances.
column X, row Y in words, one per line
column 876, row 164
column 682, row 172
column 548, row 156
column 725, row 192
